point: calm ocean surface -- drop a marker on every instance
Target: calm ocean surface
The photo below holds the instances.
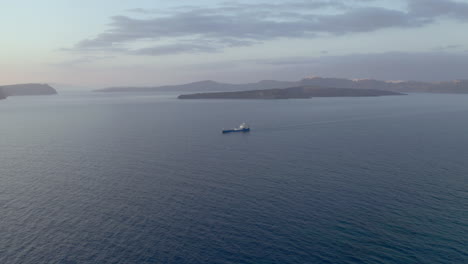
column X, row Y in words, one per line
column 124, row 178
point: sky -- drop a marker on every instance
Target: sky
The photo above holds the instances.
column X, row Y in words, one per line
column 104, row 43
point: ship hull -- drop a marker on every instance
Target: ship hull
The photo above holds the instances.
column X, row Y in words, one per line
column 236, row 130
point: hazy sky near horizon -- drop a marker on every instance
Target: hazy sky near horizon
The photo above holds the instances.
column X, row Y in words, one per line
column 143, row 42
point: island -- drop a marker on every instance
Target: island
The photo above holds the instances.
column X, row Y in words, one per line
column 302, row 92
column 449, row 87
column 2, row 94
column 202, row 86
column 26, row 89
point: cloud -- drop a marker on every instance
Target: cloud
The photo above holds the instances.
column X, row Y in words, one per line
column 447, row 48
column 364, row 20
column 174, row 49
column 140, row 10
column 241, row 24
column 431, row 9
column 418, row 66
column 82, row 60
column 423, row 66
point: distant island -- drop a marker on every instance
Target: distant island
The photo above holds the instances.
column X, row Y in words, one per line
column 291, row 93
column 457, row 86
column 27, row 89
column 2, row 94
column 202, row 86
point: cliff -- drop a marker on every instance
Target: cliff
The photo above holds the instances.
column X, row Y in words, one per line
column 291, row 93
column 27, row 89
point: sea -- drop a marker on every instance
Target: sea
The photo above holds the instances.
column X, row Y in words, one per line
column 146, row 178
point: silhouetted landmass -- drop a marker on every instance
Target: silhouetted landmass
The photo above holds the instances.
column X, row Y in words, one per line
column 458, row 86
column 27, row 89
column 291, row 93
column 203, row 86
column 2, row 94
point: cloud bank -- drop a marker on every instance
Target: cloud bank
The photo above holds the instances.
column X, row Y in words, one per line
column 212, row 29
column 424, row 66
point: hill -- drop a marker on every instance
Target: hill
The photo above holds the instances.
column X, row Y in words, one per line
column 457, row 86
column 2, row 94
column 291, row 93
column 27, row 89
column 203, row 86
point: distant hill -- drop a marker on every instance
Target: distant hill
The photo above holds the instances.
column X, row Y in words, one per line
column 203, row 86
column 291, row 93
column 2, row 94
column 458, row 86
column 27, row 89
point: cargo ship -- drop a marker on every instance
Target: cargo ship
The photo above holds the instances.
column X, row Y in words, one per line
column 242, row 128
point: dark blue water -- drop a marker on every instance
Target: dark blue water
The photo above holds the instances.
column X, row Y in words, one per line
column 96, row 178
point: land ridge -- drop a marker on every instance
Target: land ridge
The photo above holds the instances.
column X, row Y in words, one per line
column 301, row 92
column 456, row 86
column 26, row 89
